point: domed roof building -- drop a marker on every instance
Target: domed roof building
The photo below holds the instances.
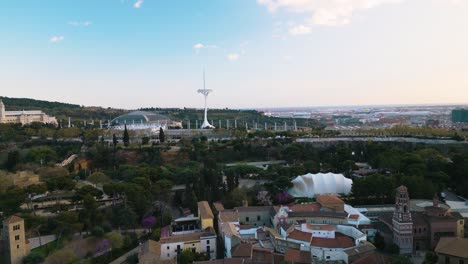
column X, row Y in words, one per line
column 310, row 185
column 140, row 117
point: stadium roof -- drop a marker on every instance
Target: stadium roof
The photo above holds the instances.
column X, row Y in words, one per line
column 140, row 117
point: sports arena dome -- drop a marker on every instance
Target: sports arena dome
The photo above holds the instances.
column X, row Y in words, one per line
column 310, row 185
column 139, row 117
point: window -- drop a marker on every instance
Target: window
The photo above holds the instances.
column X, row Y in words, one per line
column 167, row 247
column 16, row 227
column 17, row 246
column 193, row 250
column 167, row 254
column 258, row 218
column 328, row 257
column 447, row 260
column 247, row 219
column 324, row 221
column 461, row 261
column 208, row 242
column 17, row 237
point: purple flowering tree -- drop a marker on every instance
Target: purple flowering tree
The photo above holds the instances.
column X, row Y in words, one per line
column 149, row 222
column 284, row 198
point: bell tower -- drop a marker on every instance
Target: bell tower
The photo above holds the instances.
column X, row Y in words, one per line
column 402, row 222
column 2, row 112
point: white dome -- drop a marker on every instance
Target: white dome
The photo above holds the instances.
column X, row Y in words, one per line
column 310, row 185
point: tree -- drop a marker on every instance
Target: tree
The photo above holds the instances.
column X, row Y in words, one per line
column 99, row 177
column 12, row 160
column 114, row 140
column 11, row 200
column 162, row 137
column 394, row 249
column 116, row 239
column 431, row 258
column 33, row 258
column 379, row 241
column 126, row 137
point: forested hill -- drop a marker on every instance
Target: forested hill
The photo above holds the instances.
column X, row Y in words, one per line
column 64, row 110
column 13, row 104
column 61, row 110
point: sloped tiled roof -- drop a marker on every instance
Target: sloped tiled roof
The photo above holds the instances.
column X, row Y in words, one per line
column 218, row 206
column 329, row 199
column 313, row 207
column 340, row 241
column 204, row 210
column 13, row 219
column 228, row 216
column 301, row 236
column 453, row 246
column 298, row 256
column 242, row 250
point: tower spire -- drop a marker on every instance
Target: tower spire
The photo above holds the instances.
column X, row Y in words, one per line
column 205, row 93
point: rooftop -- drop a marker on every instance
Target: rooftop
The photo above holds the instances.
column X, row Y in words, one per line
column 243, row 250
column 228, row 216
column 299, row 235
column 187, row 237
column 312, row 207
column 204, row 210
column 297, row 256
column 329, row 199
column 218, row 206
column 453, row 246
column 13, row 219
column 340, row 241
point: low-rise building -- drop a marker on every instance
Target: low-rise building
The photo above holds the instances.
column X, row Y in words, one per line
column 200, row 242
column 24, row 117
column 205, row 214
column 452, row 250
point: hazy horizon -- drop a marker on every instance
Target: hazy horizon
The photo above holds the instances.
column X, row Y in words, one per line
column 257, row 54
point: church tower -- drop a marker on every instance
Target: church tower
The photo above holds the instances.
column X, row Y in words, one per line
column 15, row 244
column 2, row 112
column 402, row 222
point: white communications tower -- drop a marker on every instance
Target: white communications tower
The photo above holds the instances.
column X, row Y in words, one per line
column 205, row 92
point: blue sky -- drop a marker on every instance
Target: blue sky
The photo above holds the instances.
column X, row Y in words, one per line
column 256, row 53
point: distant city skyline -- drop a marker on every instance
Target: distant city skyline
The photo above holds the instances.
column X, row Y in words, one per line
column 257, row 53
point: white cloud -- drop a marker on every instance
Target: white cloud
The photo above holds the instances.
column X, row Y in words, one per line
column 80, row 23
column 199, row 46
column 138, row 4
column 299, row 30
column 233, row 56
column 324, row 12
column 56, row 39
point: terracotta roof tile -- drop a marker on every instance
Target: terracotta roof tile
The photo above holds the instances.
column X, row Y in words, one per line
column 13, row 219
column 340, row 241
column 453, row 246
column 243, row 250
column 299, row 235
column 204, row 210
column 329, row 199
column 228, row 216
column 297, row 256
column 218, row 206
column 314, row 207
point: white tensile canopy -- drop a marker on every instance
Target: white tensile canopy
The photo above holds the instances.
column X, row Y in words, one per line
column 310, row 185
